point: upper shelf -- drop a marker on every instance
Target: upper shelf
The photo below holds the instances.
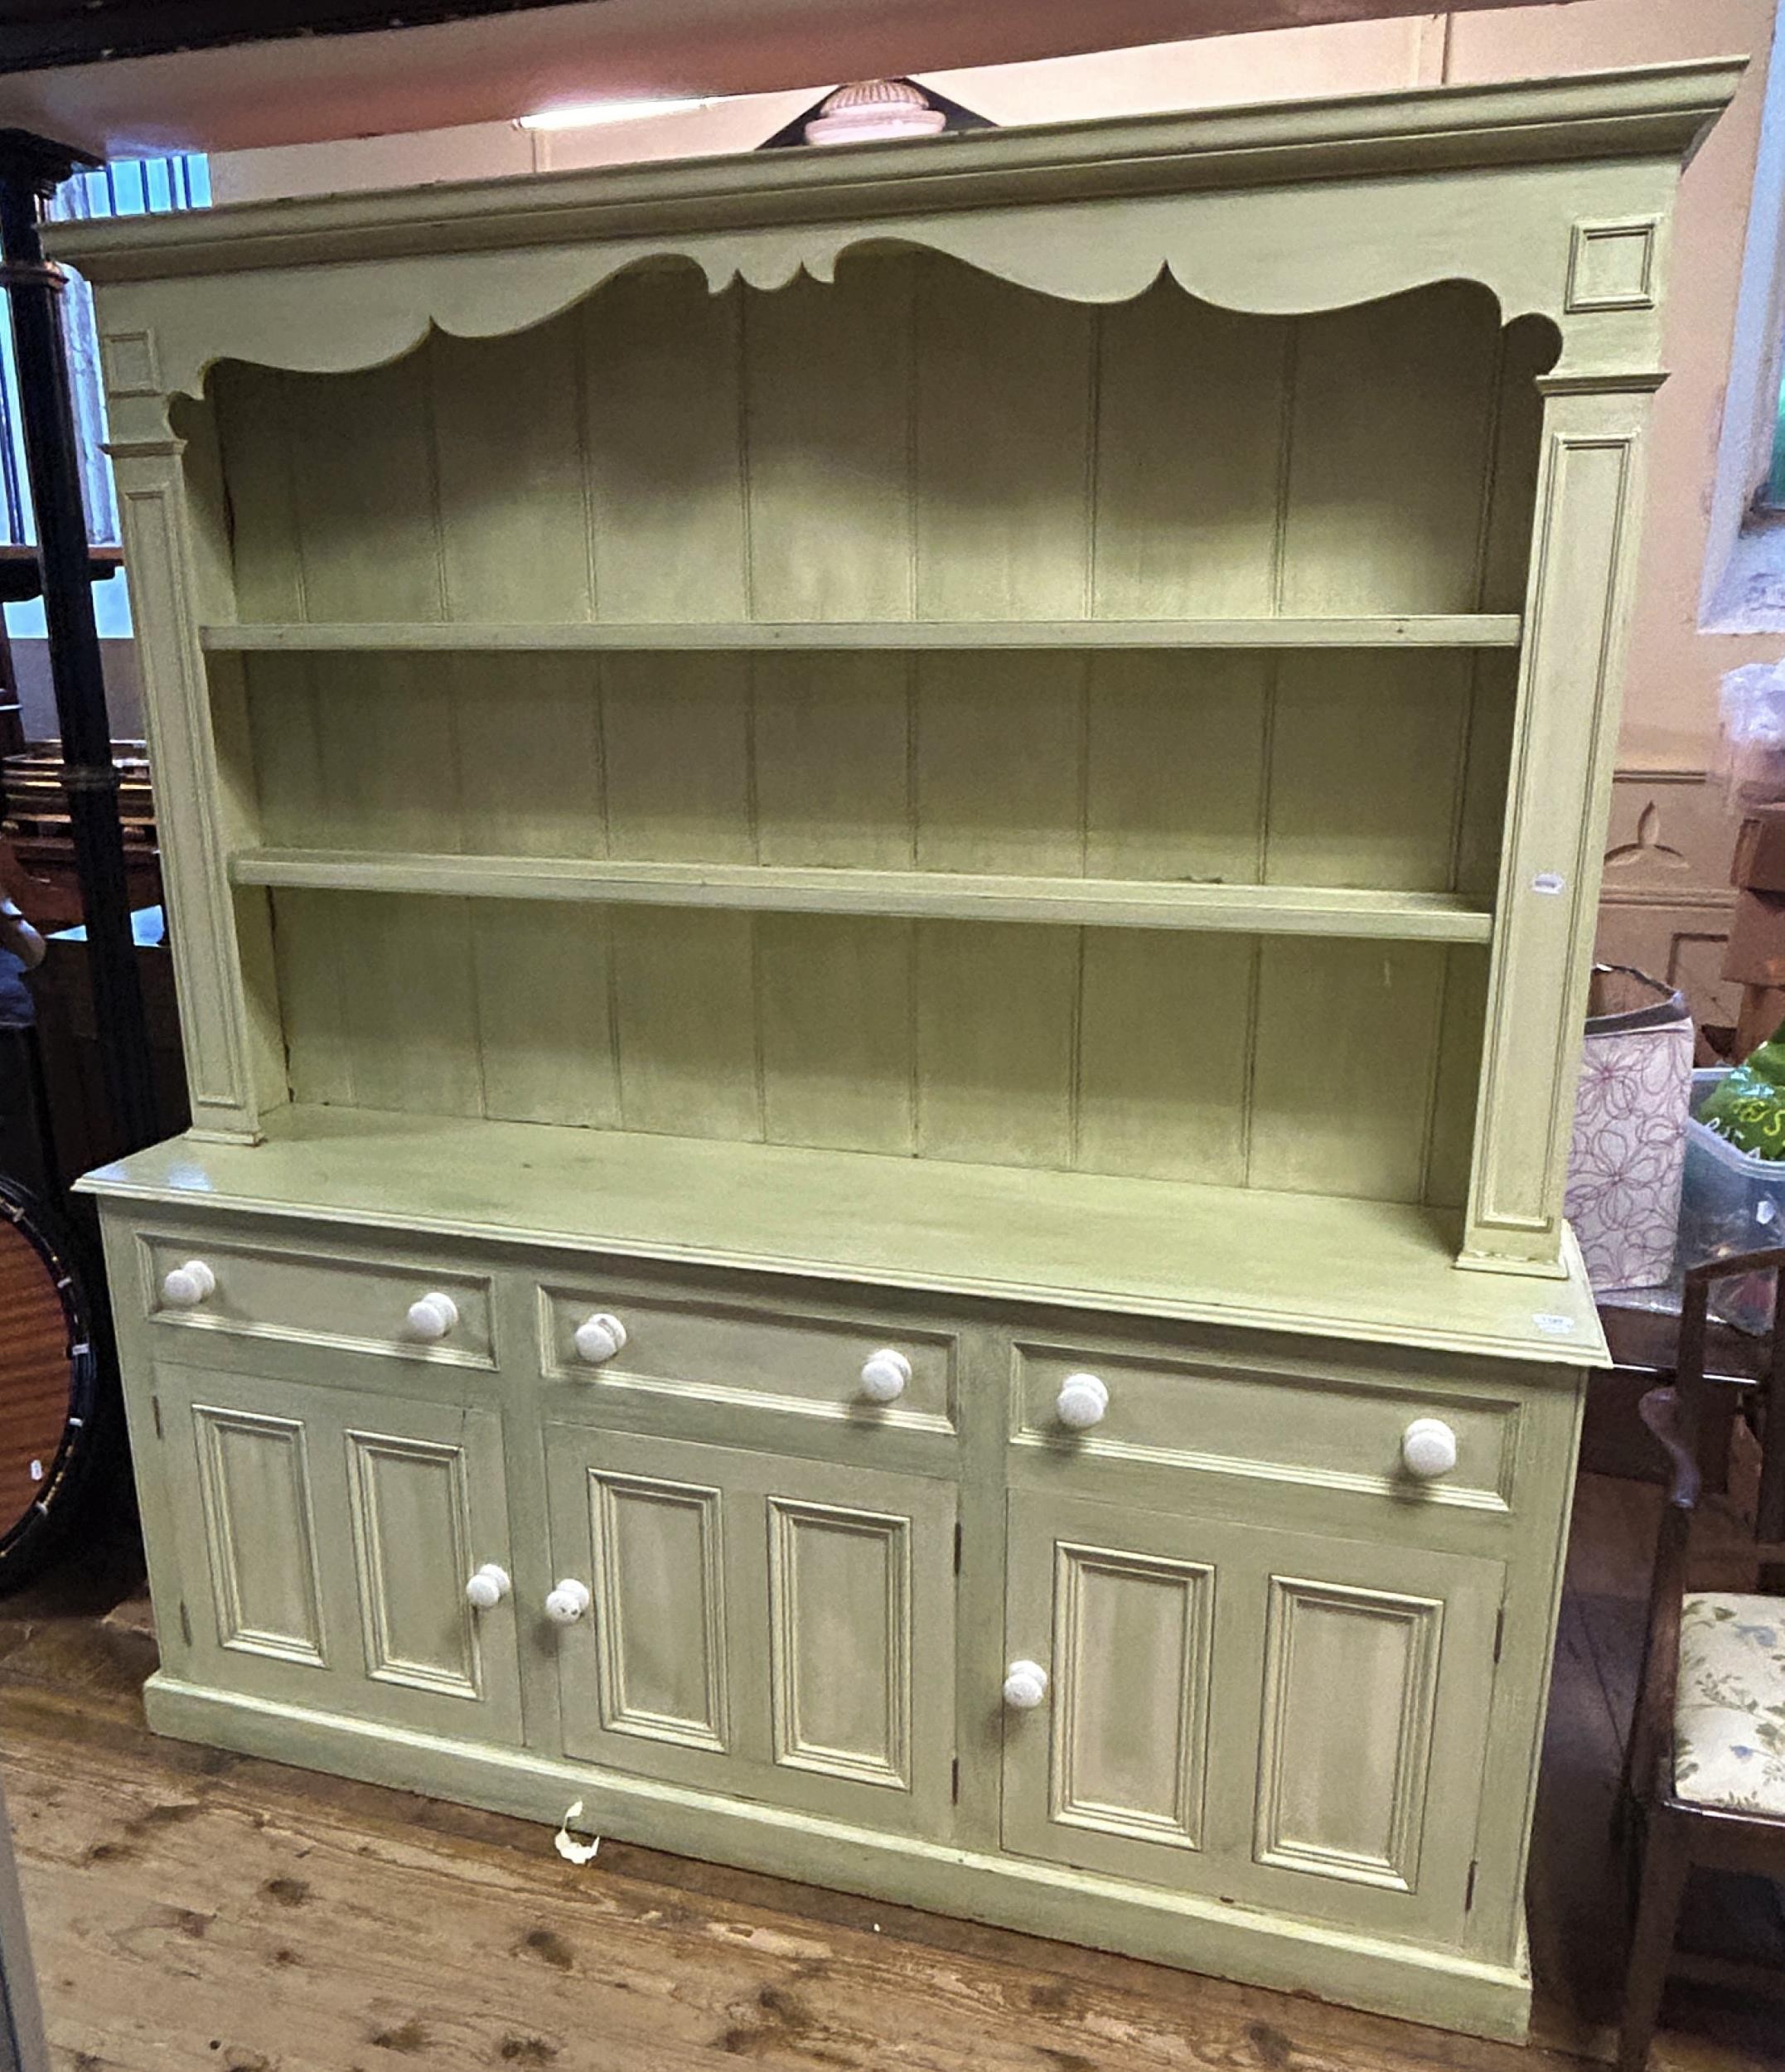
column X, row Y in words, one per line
column 1460, row 629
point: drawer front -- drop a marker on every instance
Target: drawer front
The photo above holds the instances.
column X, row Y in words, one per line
column 1337, row 1431
column 694, row 1347
column 315, row 1297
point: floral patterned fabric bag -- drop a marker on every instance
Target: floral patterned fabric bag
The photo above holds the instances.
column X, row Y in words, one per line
column 1629, row 1141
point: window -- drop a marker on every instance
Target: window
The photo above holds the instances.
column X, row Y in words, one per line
column 141, row 186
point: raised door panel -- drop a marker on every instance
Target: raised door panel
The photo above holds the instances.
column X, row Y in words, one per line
column 757, row 1625
column 259, row 1610
column 254, row 1476
column 426, row 1509
column 1120, row 1609
column 1290, row 1722
column 1341, row 1788
column 840, row 1641
column 326, row 1541
column 858, row 1584
column 1367, row 1673
column 659, row 1609
column 647, row 1526
column 1131, row 1654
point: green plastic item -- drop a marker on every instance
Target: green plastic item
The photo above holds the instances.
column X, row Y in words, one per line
column 1749, row 1108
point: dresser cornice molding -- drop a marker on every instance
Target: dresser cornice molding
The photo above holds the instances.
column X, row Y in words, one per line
column 1255, row 208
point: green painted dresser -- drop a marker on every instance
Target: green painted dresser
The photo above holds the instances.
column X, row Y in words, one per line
column 882, row 866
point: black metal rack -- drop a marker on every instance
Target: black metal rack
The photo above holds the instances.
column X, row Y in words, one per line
column 32, row 167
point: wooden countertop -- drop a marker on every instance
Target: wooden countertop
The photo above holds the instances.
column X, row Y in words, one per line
column 1382, row 1272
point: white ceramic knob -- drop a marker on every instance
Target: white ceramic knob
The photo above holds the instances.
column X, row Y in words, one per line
column 598, row 1338
column 885, row 1375
column 432, row 1316
column 185, row 1287
column 488, row 1587
column 1081, row 1401
column 1429, row 1448
column 566, row 1604
column 1025, row 1686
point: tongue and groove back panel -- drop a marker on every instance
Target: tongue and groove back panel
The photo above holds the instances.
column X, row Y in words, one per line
column 1175, row 1053
column 916, row 440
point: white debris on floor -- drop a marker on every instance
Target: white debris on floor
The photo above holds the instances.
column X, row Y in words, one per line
column 567, row 1845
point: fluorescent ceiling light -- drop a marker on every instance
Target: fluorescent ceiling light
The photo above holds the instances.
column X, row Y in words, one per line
column 585, row 115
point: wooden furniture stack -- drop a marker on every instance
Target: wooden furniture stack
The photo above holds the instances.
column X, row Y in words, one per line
column 1754, row 956
column 35, row 830
column 20, row 581
column 882, row 867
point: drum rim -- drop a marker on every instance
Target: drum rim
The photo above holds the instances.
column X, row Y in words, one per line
column 59, row 1248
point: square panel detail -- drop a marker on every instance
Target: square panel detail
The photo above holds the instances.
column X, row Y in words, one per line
column 130, row 364
column 1611, row 265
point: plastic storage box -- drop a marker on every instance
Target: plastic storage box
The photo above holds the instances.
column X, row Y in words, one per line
column 1731, row 1202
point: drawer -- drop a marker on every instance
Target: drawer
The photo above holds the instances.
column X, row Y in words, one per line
column 690, row 1346
column 1333, row 1429
column 313, row 1298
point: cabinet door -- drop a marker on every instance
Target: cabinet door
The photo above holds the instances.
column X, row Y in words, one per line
column 327, row 1538
column 778, row 1629
column 1286, row 1721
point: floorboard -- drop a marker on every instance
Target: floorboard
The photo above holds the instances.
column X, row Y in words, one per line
column 191, row 1908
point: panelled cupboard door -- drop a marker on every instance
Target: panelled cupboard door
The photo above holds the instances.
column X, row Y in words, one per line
column 326, row 1541
column 781, row 1630
column 1289, row 1721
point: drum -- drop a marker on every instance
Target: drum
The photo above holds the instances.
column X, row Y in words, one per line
column 53, row 1429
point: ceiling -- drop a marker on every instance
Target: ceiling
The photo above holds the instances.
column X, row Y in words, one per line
column 122, row 76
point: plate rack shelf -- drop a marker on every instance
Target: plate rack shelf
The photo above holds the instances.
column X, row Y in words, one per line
column 1358, row 910
column 1455, row 629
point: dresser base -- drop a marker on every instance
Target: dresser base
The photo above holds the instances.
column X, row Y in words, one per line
column 1445, row 1991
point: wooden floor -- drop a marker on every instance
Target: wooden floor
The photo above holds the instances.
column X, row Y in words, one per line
column 190, row 1909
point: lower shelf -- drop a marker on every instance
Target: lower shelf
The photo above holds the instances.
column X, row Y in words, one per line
column 1380, row 1271
column 1316, row 910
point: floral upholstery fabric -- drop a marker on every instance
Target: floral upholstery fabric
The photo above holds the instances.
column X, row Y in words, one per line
column 1729, row 1727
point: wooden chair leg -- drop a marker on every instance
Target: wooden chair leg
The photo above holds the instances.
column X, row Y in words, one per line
column 1666, row 1859
column 1637, row 1778
column 1625, row 1827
